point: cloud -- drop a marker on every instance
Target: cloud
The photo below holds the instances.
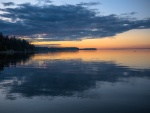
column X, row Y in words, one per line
column 129, row 14
column 88, row 4
column 8, row 3
column 64, row 22
column 44, row 1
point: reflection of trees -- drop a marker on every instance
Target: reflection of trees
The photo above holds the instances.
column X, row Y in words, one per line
column 61, row 78
column 12, row 59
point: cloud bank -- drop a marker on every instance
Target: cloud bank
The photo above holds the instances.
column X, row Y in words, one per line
column 64, row 22
column 8, row 4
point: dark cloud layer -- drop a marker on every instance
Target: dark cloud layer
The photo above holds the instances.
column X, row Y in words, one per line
column 44, row 1
column 88, row 4
column 64, row 22
column 8, row 3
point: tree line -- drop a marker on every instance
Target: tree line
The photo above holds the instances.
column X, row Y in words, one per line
column 12, row 43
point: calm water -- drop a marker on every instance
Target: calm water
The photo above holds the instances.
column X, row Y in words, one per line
column 76, row 82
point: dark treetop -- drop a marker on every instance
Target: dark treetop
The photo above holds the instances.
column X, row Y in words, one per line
column 13, row 44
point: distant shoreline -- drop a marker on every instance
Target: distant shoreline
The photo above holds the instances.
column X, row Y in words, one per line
column 88, row 49
column 64, row 49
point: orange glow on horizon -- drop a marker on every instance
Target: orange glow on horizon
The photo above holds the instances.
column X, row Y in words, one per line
column 131, row 39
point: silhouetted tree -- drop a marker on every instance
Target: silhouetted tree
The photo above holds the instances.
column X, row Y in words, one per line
column 12, row 43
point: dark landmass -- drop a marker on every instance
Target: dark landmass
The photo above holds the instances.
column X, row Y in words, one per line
column 12, row 44
column 88, row 49
column 55, row 49
column 58, row 49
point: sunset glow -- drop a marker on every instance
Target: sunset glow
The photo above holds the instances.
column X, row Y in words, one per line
column 83, row 24
column 74, row 56
column 130, row 39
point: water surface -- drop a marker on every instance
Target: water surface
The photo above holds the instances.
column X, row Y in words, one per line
column 102, row 81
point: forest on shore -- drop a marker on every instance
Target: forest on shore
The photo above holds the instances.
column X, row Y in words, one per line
column 11, row 43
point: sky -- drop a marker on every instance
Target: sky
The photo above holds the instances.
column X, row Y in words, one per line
column 78, row 23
